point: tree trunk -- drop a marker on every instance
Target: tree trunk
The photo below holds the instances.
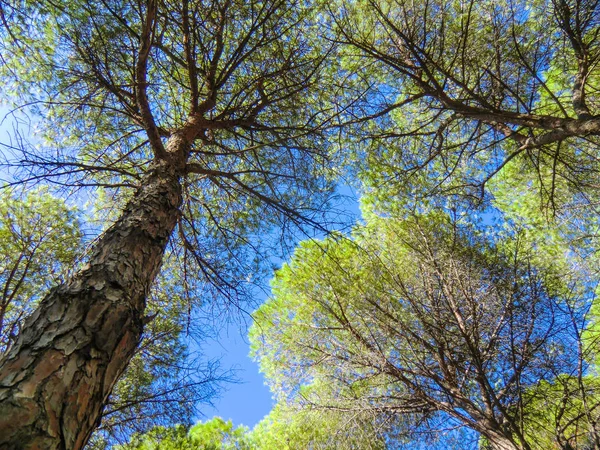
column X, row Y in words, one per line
column 58, row 375
column 503, row 444
column 498, row 441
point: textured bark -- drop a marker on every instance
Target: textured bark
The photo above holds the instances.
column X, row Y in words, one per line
column 503, row 444
column 498, row 441
column 56, row 378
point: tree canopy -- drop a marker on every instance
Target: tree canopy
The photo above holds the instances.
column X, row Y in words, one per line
column 458, row 92
column 189, row 116
column 433, row 323
column 39, row 239
column 206, row 136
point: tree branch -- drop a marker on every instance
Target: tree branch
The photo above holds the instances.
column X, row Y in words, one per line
column 141, row 70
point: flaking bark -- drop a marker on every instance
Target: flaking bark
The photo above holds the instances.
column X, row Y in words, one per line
column 56, row 378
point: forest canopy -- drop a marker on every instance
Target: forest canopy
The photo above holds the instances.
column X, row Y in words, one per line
column 177, row 151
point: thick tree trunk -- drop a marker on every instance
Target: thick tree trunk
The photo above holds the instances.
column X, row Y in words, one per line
column 503, row 444
column 56, row 378
column 498, row 441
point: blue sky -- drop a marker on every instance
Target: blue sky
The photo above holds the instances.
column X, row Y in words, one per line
column 249, row 400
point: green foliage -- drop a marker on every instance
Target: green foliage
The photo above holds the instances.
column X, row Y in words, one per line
column 160, row 438
column 563, row 412
column 294, row 429
column 214, row 434
column 414, row 315
column 445, row 99
column 449, row 88
column 563, row 238
column 40, row 237
column 259, row 162
column 282, row 429
column 266, row 154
